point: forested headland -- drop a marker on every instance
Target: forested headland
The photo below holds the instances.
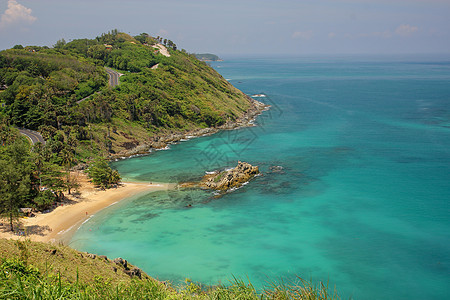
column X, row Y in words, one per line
column 63, row 93
column 207, row 57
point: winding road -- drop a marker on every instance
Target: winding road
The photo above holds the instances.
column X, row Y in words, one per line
column 113, row 81
column 113, row 77
column 34, row 136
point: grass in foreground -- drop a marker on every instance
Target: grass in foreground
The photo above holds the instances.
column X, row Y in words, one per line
column 20, row 279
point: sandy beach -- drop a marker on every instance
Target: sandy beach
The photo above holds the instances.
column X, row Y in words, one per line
column 59, row 224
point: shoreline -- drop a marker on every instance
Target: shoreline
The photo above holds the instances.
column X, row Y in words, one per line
column 162, row 141
column 62, row 222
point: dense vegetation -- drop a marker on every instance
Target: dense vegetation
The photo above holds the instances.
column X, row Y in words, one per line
column 36, row 176
column 42, row 89
column 23, row 172
column 43, row 271
column 63, row 93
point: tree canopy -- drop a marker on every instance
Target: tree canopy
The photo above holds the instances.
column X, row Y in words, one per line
column 63, row 91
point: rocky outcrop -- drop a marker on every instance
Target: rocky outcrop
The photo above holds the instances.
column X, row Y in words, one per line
column 234, row 178
column 127, row 269
column 134, row 272
column 122, row 262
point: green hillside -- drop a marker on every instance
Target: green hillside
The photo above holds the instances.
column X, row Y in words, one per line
column 65, row 93
column 42, row 88
column 30, row 270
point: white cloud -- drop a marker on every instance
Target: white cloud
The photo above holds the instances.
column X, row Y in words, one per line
column 406, row 30
column 306, row 35
column 16, row 14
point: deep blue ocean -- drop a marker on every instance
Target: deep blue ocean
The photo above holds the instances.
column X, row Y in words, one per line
column 361, row 200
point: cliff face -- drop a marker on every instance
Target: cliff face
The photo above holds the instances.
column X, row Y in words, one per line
column 236, row 177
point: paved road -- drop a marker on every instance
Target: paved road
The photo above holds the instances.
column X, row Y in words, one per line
column 113, row 81
column 113, row 77
column 34, row 136
column 81, row 100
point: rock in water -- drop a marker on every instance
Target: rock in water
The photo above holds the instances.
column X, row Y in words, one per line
column 233, row 178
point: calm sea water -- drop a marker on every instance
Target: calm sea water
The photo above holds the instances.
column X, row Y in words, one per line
column 361, row 201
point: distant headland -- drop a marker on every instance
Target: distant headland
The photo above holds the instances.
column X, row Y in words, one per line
column 207, row 57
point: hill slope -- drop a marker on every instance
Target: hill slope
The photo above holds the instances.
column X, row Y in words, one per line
column 160, row 92
column 30, row 270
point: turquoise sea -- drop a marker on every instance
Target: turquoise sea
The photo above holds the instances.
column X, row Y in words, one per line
column 361, row 201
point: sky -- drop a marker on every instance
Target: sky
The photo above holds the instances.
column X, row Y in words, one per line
column 239, row 27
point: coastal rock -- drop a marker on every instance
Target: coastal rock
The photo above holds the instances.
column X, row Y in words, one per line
column 249, row 117
column 233, row 178
column 122, row 262
column 276, row 169
column 133, row 272
column 52, row 251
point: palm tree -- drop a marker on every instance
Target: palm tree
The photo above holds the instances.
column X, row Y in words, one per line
column 67, row 159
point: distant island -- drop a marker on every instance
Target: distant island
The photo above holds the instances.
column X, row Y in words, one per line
column 207, row 57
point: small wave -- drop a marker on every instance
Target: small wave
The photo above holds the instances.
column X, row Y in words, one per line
column 258, row 95
column 211, row 173
column 67, row 230
column 135, row 155
column 113, row 203
column 86, row 220
column 161, row 149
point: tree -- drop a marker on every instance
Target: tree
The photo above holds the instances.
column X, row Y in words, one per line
column 142, row 38
column 45, row 199
column 102, row 175
column 97, row 52
column 49, row 175
column 68, row 158
column 38, row 149
column 15, row 178
column 60, row 43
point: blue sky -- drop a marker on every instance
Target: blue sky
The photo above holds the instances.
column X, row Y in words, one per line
column 240, row 27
